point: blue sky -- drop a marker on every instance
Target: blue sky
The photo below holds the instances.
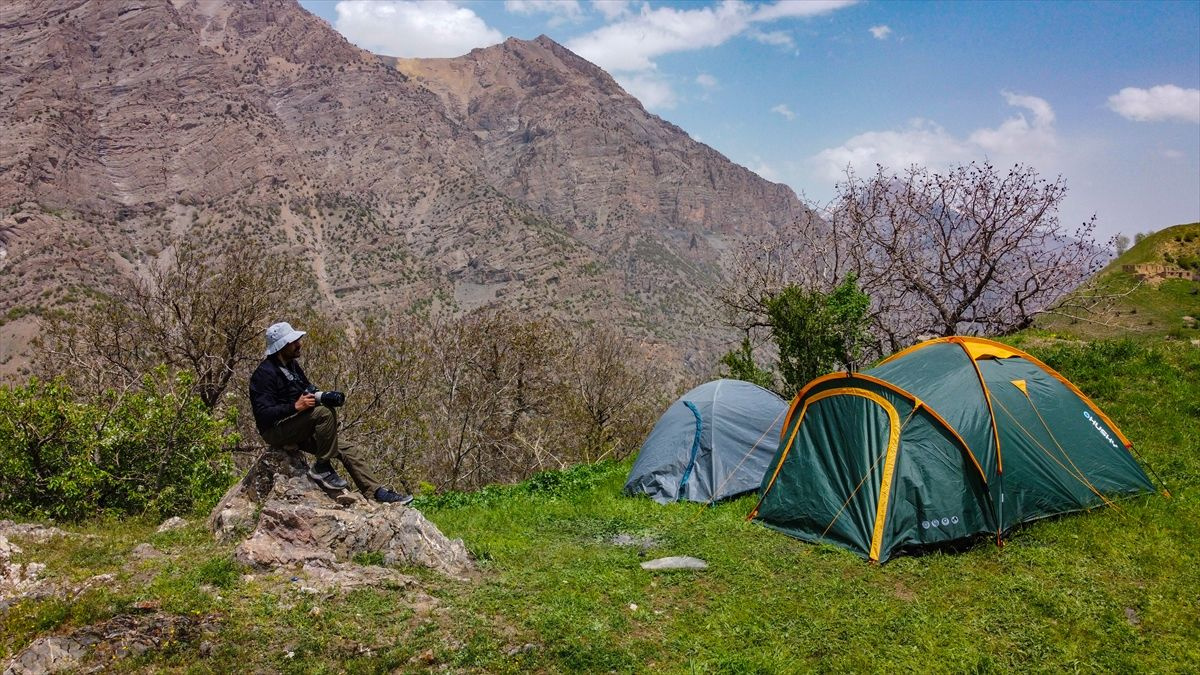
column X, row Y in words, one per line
column 1107, row 94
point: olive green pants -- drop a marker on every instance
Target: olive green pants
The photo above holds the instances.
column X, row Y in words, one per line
column 315, row 432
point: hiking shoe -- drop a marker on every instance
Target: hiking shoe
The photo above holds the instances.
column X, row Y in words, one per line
column 387, row 496
column 322, row 474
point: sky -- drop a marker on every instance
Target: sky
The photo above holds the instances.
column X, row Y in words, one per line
column 1104, row 94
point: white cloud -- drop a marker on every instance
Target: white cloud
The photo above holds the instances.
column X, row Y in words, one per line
column 1172, row 154
column 633, row 43
column 560, row 10
column 785, row 111
column 430, row 28
column 760, row 166
column 926, row 143
column 799, row 9
column 1156, row 104
column 922, row 142
column 653, row 91
column 1017, row 137
column 880, row 32
column 612, row 9
column 707, row 81
column 777, row 38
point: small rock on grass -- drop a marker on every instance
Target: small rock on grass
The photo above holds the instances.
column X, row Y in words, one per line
column 675, row 562
column 172, row 523
column 145, row 552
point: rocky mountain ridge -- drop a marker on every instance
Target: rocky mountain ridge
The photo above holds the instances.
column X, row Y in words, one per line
column 519, row 173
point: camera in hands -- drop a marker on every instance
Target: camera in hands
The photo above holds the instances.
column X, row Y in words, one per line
column 329, row 399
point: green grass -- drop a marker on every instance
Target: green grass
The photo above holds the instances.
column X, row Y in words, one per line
column 1113, row 590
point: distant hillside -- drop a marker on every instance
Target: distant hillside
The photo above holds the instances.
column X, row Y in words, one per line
column 1163, row 271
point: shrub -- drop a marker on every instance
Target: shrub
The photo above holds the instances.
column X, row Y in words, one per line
column 154, row 451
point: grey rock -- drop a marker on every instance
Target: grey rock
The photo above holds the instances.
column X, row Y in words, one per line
column 145, row 552
column 50, row 655
column 293, row 522
column 172, row 523
column 523, row 649
column 30, row 531
column 675, row 563
column 122, row 636
column 18, row 580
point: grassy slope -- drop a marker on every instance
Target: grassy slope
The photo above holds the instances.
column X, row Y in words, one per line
column 1151, row 310
column 1110, row 590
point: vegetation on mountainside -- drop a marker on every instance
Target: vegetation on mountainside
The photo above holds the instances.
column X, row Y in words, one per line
column 436, row 400
column 1109, row 590
column 1154, row 307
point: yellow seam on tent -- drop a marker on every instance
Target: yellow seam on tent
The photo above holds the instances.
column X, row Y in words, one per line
column 889, row 465
column 889, row 468
column 799, row 395
column 917, row 403
column 906, row 352
column 1032, row 359
column 987, row 398
column 893, row 439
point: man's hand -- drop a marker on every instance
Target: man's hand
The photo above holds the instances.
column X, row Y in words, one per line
column 305, row 402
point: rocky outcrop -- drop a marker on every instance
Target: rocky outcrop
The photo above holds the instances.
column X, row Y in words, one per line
column 23, row 580
column 123, row 636
column 17, row 580
column 284, row 520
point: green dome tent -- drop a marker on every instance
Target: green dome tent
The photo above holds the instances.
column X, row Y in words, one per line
column 947, row 440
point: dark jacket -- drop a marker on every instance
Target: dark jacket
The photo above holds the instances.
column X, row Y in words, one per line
column 272, row 394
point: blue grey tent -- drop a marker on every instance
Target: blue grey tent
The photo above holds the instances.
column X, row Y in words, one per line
column 713, row 443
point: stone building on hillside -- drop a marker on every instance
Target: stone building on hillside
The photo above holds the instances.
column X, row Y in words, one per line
column 1153, row 272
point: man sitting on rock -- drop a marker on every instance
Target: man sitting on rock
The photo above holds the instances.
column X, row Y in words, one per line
column 288, row 410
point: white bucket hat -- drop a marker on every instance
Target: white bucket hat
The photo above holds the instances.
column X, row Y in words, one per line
column 280, row 335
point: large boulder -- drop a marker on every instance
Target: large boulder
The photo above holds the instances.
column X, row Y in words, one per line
column 284, row 520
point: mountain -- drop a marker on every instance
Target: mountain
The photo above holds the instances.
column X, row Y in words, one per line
column 519, row 173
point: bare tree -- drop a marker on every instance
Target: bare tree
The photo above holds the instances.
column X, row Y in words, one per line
column 613, row 392
column 203, row 310
column 970, row 251
column 383, row 367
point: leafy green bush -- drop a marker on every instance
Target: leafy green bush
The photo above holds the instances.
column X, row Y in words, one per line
column 154, row 451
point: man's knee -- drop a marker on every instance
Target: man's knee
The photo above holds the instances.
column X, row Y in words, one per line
column 323, row 415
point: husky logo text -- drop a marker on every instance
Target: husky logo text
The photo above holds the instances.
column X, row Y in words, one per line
column 1102, row 430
